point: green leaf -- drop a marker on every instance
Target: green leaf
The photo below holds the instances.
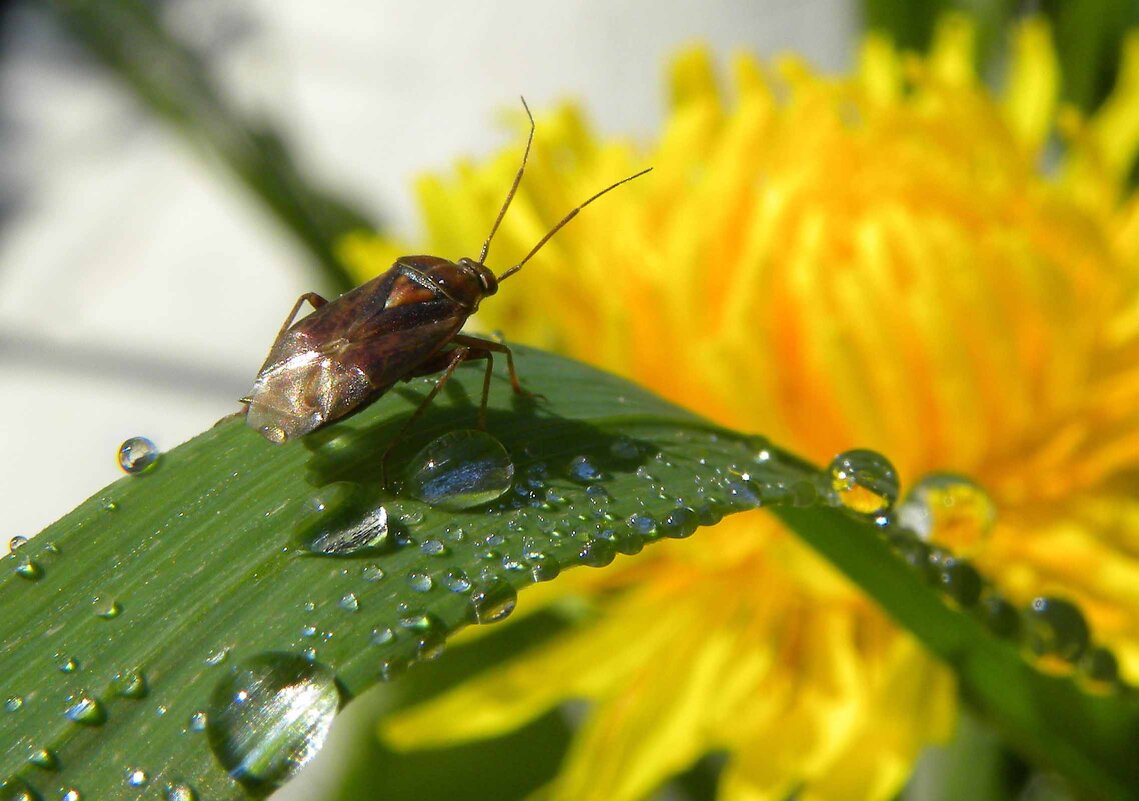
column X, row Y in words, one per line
column 182, row 574
column 201, row 557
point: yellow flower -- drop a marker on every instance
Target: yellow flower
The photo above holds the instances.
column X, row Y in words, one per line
column 895, row 260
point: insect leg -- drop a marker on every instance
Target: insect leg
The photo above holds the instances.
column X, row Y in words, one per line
column 316, row 300
column 457, row 357
column 476, row 343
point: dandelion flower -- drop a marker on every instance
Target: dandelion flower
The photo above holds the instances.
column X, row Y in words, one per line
column 895, row 259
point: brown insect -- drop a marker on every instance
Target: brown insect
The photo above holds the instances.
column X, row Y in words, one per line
column 398, row 326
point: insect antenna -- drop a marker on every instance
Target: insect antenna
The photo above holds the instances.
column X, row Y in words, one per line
column 564, row 220
column 513, row 187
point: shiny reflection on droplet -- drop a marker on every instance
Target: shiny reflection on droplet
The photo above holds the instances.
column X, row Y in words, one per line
column 948, row 509
column 864, row 481
column 137, row 455
column 460, row 470
column 270, row 717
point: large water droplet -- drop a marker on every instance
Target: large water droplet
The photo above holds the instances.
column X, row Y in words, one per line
column 17, row 542
column 87, row 711
column 948, row 509
column 334, row 522
column 864, row 481
column 461, row 469
column 1057, row 628
column 270, row 717
column 492, row 600
column 137, row 455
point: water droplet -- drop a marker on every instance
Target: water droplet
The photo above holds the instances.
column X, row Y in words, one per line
column 30, row 570
column 420, row 581
column 13, row 703
column 335, row 522
column 15, row 790
column 129, row 684
column 198, row 721
column 86, row 711
column 71, row 795
column 372, row 573
column 1000, row 616
column 456, row 580
column 959, row 580
column 597, row 552
column 430, row 632
column 948, row 509
column 349, row 602
column 643, row 525
column 433, row 547
column 679, row 523
column 1100, row 669
column 68, row 664
column 137, row 455
column 382, row 636
column 270, row 717
column 864, row 481
column 582, row 470
column 543, row 567
column 460, row 470
column 492, row 600
column 108, row 610
column 44, row 758
column 625, row 449
column 1056, row 628
column 16, row 543
column 180, row 792
column 110, row 506
column 136, row 777
column 216, row 657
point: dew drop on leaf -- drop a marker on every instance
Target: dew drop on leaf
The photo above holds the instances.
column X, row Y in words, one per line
column 349, row 602
column 460, row 470
column 137, row 455
column 420, row 581
column 334, row 523
column 1056, row 628
column 949, row 509
column 17, row 542
column 44, row 758
column 1099, row 670
column 13, row 703
column 129, row 684
column 583, row 471
column 492, row 600
column 136, row 777
column 30, row 570
column 180, row 792
column 15, row 790
column 87, row 711
column 270, row 716
column 864, row 481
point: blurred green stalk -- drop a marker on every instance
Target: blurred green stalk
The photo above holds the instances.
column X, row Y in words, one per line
column 173, row 82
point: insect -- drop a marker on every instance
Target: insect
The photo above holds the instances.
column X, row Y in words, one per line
column 400, row 325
